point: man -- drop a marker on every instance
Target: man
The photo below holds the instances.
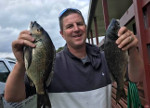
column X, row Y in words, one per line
column 81, row 76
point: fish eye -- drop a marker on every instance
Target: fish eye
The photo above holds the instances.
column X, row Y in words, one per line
column 38, row 30
column 113, row 28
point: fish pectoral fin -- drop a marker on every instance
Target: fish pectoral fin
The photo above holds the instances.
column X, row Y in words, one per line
column 27, row 56
column 50, row 76
column 48, row 81
column 43, row 101
column 30, row 82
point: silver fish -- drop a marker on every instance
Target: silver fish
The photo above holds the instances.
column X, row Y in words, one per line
column 117, row 59
column 39, row 63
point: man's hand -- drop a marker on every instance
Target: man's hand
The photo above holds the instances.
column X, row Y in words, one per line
column 17, row 45
column 126, row 39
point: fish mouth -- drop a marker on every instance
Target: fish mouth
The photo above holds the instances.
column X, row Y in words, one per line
column 32, row 24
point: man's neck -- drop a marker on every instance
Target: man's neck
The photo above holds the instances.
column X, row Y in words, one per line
column 78, row 52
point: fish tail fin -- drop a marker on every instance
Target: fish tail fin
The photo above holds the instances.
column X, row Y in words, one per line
column 120, row 93
column 43, row 101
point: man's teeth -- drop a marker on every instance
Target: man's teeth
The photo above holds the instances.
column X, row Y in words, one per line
column 77, row 36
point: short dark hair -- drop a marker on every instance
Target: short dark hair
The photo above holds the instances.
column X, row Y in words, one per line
column 67, row 12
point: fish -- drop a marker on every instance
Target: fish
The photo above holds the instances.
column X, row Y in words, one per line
column 117, row 59
column 39, row 63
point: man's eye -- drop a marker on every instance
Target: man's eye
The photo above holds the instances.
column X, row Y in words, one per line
column 69, row 26
column 80, row 24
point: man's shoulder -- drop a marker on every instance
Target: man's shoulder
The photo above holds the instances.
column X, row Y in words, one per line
column 59, row 54
column 91, row 46
column 61, row 57
column 94, row 50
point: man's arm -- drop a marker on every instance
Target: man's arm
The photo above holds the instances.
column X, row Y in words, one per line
column 135, row 65
column 128, row 41
column 15, row 86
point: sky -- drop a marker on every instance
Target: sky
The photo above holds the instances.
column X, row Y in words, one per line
column 16, row 15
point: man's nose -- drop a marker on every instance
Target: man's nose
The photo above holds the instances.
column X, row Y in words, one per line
column 76, row 28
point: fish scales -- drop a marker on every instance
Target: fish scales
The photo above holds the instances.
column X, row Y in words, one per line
column 39, row 63
column 116, row 58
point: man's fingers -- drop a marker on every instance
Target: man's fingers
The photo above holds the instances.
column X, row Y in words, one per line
column 28, row 43
column 25, row 35
column 126, row 34
column 127, row 46
column 123, row 37
column 18, row 44
column 126, row 39
column 122, row 30
column 128, row 43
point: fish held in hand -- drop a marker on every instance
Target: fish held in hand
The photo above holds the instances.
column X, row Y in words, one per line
column 39, row 63
column 116, row 58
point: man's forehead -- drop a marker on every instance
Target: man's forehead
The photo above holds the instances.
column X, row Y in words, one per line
column 72, row 18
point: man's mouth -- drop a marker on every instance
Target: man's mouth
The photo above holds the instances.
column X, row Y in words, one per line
column 77, row 35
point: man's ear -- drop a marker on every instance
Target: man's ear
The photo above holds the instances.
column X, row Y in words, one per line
column 61, row 32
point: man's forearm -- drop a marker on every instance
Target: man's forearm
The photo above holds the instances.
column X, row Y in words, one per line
column 135, row 65
column 15, row 87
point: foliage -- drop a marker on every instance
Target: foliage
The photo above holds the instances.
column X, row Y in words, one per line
column 59, row 49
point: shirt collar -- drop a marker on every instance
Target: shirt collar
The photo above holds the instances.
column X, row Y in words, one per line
column 93, row 54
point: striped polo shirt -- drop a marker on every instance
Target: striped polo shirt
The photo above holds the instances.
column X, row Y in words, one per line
column 78, row 84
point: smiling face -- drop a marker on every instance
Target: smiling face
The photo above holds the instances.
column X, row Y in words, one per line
column 74, row 31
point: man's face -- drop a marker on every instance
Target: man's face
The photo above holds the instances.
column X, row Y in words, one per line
column 74, row 30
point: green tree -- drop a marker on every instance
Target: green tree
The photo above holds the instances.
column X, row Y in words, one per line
column 59, row 49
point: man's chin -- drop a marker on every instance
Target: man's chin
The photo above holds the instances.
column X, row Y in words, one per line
column 79, row 45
